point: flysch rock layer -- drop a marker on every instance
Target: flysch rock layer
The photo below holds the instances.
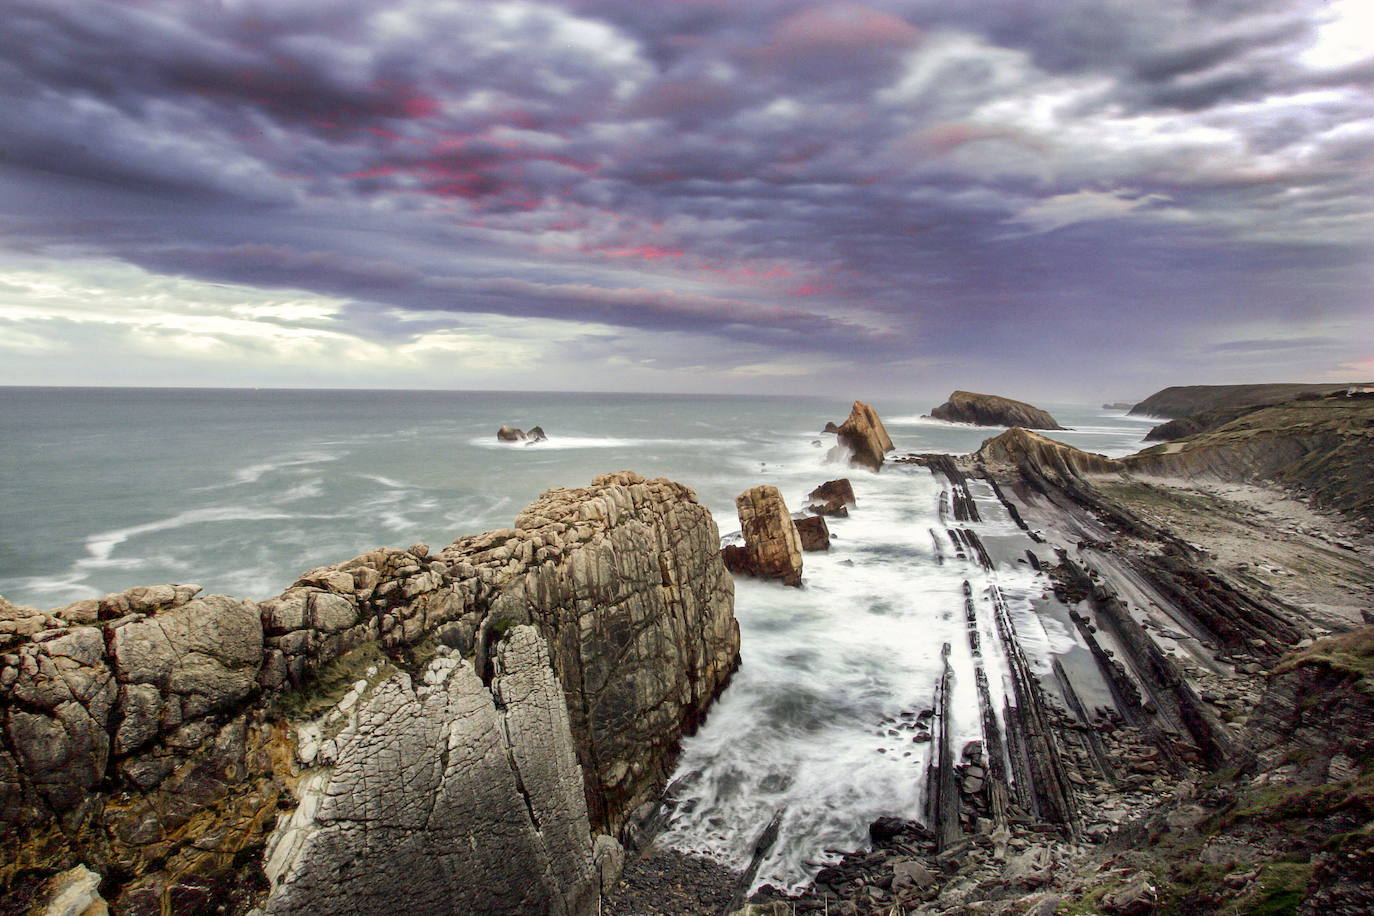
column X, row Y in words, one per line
column 160, row 743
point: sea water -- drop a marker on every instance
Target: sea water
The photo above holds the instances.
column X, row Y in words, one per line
column 241, row 490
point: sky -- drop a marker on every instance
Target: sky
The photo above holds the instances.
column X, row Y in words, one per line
column 1053, row 198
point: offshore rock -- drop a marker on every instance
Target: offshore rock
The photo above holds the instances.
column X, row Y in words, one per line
column 772, row 547
column 833, row 498
column 467, row 729
column 992, row 410
column 510, row 434
column 814, row 533
column 864, row 437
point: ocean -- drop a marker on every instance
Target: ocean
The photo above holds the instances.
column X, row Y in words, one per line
column 239, row 491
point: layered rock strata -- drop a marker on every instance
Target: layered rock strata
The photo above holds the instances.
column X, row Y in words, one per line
column 992, row 410
column 464, row 729
column 863, row 436
column 1182, row 400
column 772, row 546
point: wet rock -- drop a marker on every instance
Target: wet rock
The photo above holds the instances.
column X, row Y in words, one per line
column 832, row 498
column 813, row 533
column 772, row 546
column 510, row 434
column 864, row 437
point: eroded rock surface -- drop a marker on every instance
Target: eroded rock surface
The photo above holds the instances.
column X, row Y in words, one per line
column 992, row 410
column 864, row 437
column 772, row 546
column 833, row 498
column 814, row 533
column 371, row 707
column 473, row 793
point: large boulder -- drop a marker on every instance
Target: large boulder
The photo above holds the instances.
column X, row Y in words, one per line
column 814, row 533
column 864, row 437
column 510, row 434
column 833, row 498
column 992, row 410
column 772, row 547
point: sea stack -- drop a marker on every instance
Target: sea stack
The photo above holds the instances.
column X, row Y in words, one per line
column 992, row 410
column 772, row 546
column 865, row 437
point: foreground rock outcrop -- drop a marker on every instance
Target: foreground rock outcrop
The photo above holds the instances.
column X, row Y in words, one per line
column 992, row 410
column 863, row 436
column 469, row 729
column 772, row 546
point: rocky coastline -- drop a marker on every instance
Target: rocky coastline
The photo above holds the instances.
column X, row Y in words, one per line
column 1225, row 762
column 490, row 727
column 473, row 729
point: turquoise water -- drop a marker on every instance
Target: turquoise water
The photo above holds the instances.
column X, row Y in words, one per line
column 240, row 491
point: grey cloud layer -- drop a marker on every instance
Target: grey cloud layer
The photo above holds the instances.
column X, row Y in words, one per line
column 984, row 183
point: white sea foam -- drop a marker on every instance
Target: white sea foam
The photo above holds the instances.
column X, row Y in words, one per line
column 801, row 729
column 99, row 547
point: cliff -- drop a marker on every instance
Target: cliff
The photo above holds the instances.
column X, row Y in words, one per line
column 465, row 730
column 865, row 437
column 991, row 410
column 1323, row 447
column 1182, row 400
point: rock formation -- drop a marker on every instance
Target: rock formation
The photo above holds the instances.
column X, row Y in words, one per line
column 814, row 533
column 1182, row 400
column 511, row 434
column 468, row 730
column 991, row 410
column 833, row 498
column 1017, row 447
column 864, row 437
column 772, row 547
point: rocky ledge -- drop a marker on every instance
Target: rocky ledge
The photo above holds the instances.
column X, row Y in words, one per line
column 470, row 730
column 991, row 410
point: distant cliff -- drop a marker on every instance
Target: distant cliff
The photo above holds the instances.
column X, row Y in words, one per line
column 1321, row 447
column 1180, row 401
column 466, row 731
column 992, row 410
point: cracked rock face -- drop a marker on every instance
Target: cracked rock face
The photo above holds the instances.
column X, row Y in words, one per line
column 473, row 793
column 524, row 690
column 772, row 545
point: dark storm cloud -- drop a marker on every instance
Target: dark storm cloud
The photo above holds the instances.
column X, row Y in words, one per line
column 911, row 180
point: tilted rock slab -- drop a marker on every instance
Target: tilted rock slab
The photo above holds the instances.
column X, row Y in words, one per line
column 865, row 437
column 772, row 546
column 163, row 743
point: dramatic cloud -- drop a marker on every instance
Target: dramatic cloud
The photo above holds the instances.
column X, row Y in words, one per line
column 1077, row 196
